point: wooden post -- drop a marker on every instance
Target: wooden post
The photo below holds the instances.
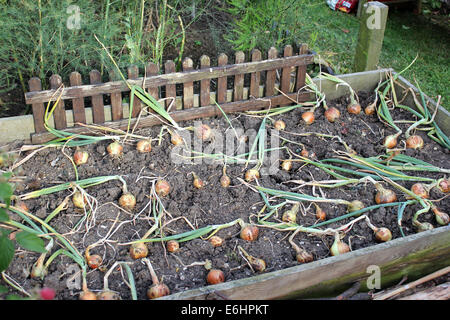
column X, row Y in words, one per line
column 222, row 81
column 171, row 90
column 38, row 108
column 79, row 114
column 361, row 3
column 371, row 32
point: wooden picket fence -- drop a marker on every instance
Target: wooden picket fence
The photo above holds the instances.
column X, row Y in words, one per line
column 285, row 73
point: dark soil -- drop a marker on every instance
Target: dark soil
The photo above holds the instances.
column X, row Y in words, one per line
column 187, row 206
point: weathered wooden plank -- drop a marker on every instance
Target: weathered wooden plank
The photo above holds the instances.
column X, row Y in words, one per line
column 301, row 70
column 79, row 114
column 238, row 93
column 255, row 77
column 116, row 100
column 286, row 72
column 59, row 114
column 38, row 108
column 271, row 75
column 172, row 78
column 151, row 70
column 188, row 87
column 205, row 97
column 171, row 91
column 98, row 110
column 189, row 114
column 439, row 292
column 222, row 81
column 133, row 74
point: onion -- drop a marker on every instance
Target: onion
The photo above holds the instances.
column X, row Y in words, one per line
column 114, row 149
column 198, row 183
column 370, row 109
column 79, row 200
column 355, row 205
column 383, row 234
column 441, row 217
column 173, row 246
column 308, row 117
column 259, row 265
column 320, row 214
column 88, row 295
column 414, row 142
column 444, row 185
column 304, row 153
column 80, row 157
column 225, row 181
column 354, row 108
column 215, row 276
column 249, row 233
column 384, row 195
column 339, row 247
column 420, row 190
column 290, row 216
column 176, row 139
column 286, row 165
column 162, row 188
column 332, row 114
column 127, row 201
column 251, row 175
column 424, row 226
column 204, row 132
column 94, row 261
column 390, row 141
column 144, row 145
column 279, row 125
column 38, row 270
column 108, row 295
column 216, row 241
column 138, row 250
column 304, row 256
column 157, row 291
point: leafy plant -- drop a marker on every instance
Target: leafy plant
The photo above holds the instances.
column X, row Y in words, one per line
column 25, row 239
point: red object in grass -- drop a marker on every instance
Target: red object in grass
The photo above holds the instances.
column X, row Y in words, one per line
column 47, row 293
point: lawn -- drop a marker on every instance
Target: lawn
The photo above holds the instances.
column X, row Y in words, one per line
column 334, row 35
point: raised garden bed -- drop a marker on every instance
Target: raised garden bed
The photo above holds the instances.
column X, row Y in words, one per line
column 188, row 209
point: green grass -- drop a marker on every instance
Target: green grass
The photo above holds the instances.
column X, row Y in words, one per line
column 334, row 35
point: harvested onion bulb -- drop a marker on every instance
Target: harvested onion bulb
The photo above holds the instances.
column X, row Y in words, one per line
column 354, row 108
column 414, row 142
column 216, row 241
column 138, row 250
column 115, row 149
column 444, row 185
column 339, row 247
column 158, row 289
column 441, row 217
column 383, row 234
column 384, row 195
column 279, row 125
column 320, row 214
column 424, row 226
column 173, row 246
column 79, row 200
column 162, row 188
column 198, row 183
column 290, row 215
column 257, row 264
column 144, row 146
column 308, row 117
column 304, row 256
column 332, row 114
column 225, row 180
column 127, row 201
column 88, row 295
column 370, row 109
column 94, row 261
column 215, row 276
column 355, row 205
column 249, row 233
column 286, row 165
column 203, row 132
column 80, row 157
column 176, row 139
column 108, row 295
column 390, row 141
column 420, row 190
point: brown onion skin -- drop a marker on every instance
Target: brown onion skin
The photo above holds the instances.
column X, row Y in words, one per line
column 176, row 139
column 80, row 157
column 414, row 142
column 108, row 295
column 286, row 165
column 225, row 181
column 354, row 108
column 173, row 246
column 157, row 291
column 216, row 241
column 94, row 261
column 279, row 125
column 204, row 132
column 424, row 226
column 127, row 201
column 308, row 117
column 88, row 295
column 215, row 276
column 162, row 188
column 355, row 205
column 383, row 234
column 251, row 175
column 114, row 149
column 370, row 109
column 444, row 185
column 320, row 214
column 198, row 183
column 419, row 189
column 332, row 114
column 259, row 265
column 441, row 217
column 304, row 153
column 390, row 141
column 79, row 200
column 249, row 233
column 339, row 247
column 304, row 257
column 144, row 146
column 386, row 196
column 138, row 250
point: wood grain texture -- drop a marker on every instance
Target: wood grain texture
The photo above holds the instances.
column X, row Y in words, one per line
column 271, row 74
column 301, row 70
column 59, row 114
column 172, row 78
column 238, row 93
column 38, row 108
column 188, row 87
column 255, row 77
column 133, row 74
column 79, row 114
column 151, row 70
column 98, row 110
column 222, row 81
column 171, row 92
column 205, row 97
column 116, row 99
column 286, row 72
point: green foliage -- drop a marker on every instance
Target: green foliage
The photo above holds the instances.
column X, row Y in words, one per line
column 263, row 24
